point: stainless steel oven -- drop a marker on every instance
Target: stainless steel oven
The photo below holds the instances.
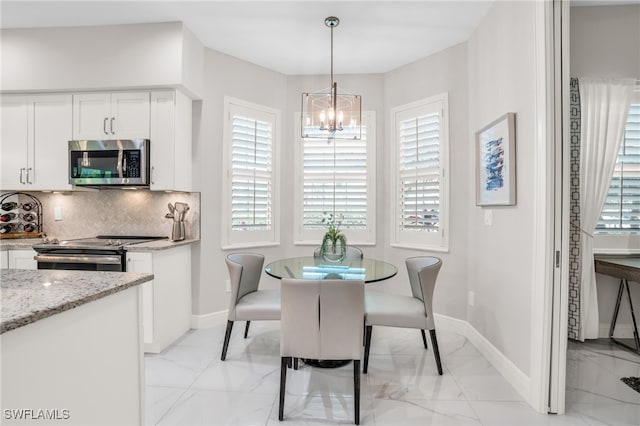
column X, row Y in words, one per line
column 102, row 253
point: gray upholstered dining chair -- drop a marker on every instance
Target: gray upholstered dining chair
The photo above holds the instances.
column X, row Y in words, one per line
column 247, row 303
column 321, row 319
column 391, row 310
column 353, row 252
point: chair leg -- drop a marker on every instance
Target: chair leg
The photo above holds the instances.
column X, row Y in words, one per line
column 227, row 336
column 424, row 339
column 246, row 329
column 283, row 381
column 356, row 389
column 367, row 347
column 436, row 352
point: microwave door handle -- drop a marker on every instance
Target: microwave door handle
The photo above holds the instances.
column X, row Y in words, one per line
column 119, row 166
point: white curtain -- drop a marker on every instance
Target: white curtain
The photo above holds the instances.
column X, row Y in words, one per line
column 604, row 107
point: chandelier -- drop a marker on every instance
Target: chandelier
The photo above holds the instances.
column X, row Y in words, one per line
column 326, row 114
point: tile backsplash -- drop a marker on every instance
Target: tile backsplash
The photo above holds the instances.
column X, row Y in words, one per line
column 115, row 212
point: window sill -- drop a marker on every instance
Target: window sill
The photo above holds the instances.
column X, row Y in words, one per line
column 421, row 248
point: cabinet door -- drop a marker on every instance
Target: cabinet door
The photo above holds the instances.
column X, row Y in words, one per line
column 22, row 259
column 162, row 140
column 13, row 142
column 143, row 263
column 91, row 116
column 171, row 162
column 130, row 116
column 4, row 259
column 51, row 117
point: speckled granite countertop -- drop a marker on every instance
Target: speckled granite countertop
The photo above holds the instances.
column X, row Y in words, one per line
column 18, row 243
column 31, row 295
column 160, row 245
column 26, row 243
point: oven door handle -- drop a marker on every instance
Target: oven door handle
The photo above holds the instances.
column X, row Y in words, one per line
column 82, row 258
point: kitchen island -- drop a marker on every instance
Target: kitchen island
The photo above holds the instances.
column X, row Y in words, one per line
column 72, row 347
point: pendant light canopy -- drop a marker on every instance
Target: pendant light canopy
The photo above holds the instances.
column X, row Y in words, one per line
column 327, row 114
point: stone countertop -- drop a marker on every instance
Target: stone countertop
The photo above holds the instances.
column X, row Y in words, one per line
column 160, row 245
column 31, row 295
column 18, row 243
column 26, row 243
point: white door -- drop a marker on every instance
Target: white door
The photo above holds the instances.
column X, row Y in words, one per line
column 91, row 116
column 22, row 259
column 162, row 139
column 13, row 142
column 130, row 115
column 52, row 122
column 143, row 263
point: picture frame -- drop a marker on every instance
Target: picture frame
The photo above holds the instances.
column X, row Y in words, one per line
column 496, row 162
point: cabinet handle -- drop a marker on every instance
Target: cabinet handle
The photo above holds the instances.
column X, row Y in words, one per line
column 104, row 126
column 29, row 175
column 21, row 178
column 152, row 169
column 112, row 120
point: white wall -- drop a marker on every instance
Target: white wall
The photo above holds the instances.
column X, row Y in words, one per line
column 442, row 72
column 101, row 57
column 605, row 42
column 500, row 268
column 224, row 76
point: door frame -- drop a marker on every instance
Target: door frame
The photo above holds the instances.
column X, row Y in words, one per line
column 550, row 297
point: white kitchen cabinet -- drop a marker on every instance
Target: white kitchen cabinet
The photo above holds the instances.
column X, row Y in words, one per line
column 171, row 162
column 98, row 116
column 34, row 142
column 22, row 259
column 166, row 300
column 4, row 259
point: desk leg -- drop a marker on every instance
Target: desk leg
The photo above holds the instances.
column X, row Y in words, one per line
column 616, row 309
column 636, row 339
column 624, row 285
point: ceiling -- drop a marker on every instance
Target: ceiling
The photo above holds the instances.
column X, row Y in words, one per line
column 286, row 36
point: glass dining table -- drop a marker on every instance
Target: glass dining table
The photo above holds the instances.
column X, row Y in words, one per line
column 314, row 268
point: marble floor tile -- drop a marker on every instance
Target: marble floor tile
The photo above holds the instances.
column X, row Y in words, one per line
column 187, row 384
column 423, row 412
column 159, row 401
column 207, row 407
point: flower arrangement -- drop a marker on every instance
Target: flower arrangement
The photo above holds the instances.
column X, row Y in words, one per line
column 333, row 239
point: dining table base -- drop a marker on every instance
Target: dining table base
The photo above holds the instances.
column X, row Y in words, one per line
column 326, row 363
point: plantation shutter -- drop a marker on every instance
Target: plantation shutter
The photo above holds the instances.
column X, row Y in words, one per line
column 251, row 174
column 621, row 209
column 335, row 181
column 419, row 173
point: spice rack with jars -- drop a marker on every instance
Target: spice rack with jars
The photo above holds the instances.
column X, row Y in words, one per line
column 20, row 216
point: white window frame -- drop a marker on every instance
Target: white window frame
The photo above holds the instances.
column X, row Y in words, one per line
column 420, row 240
column 233, row 239
column 619, row 169
column 364, row 237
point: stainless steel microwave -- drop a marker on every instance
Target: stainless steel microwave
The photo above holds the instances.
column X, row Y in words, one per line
column 120, row 162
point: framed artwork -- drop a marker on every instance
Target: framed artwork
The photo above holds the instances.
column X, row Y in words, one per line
column 496, row 162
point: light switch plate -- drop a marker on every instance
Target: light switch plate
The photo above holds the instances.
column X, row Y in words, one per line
column 488, row 217
column 57, row 213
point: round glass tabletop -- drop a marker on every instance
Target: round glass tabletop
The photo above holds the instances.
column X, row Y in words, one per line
column 314, row 268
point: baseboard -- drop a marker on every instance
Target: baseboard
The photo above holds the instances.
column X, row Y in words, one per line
column 208, row 320
column 519, row 380
column 623, row 331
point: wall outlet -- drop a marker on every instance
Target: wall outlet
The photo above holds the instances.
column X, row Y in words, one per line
column 488, row 217
column 471, row 298
column 228, row 286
